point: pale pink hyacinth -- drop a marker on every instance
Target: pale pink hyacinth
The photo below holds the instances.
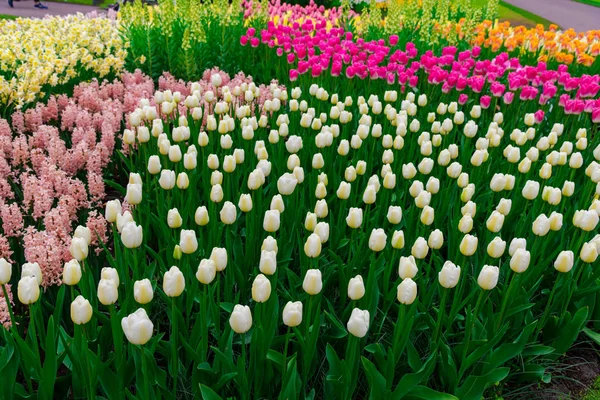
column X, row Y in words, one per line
column 5, row 250
column 4, row 313
column 57, row 180
column 12, row 220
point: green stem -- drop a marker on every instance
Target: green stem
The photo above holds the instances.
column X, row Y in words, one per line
column 174, row 355
column 310, row 307
column 90, row 387
column 441, row 311
column 480, row 301
column 397, row 331
column 144, row 368
column 33, row 331
column 114, row 322
column 507, row 298
column 218, row 302
column 245, row 389
column 548, row 305
column 204, row 322
column 285, row 349
column 581, row 266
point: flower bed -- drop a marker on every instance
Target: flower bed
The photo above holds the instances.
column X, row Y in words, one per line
column 356, row 214
column 53, row 54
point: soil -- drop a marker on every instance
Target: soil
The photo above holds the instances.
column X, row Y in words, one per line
column 572, row 376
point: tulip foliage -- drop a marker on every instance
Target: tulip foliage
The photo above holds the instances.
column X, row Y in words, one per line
column 396, row 222
column 293, row 243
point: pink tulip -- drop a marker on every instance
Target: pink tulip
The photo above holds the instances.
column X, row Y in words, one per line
column 508, row 97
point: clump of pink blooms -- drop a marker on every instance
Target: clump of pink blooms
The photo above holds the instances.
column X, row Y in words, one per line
column 4, row 313
column 52, row 163
column 310, row 48
column 295, row 11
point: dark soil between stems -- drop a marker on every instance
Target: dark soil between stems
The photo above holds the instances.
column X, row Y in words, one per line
column 572, row 376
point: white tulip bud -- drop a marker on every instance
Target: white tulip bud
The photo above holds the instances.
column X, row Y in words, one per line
column 407, row 291
column 468, row 245
column 488, row 277
column 356, row 288
column 143, row 291
column 206, row 271
column 81, row 311
column 420, row 248
column 261, row 289
column 241, row 317
column 449, row 275
column 519, row 261
column 313, row 282
column 564, row 262
column 407, row 267
column 71, row 273
column 137, row 327
column 292, row 314
column 358, row 325
column 108, row 292
column 173, row 282
column 218, row 255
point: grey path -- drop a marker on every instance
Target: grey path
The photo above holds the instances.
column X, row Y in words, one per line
column 565, row 13
column 24, row 8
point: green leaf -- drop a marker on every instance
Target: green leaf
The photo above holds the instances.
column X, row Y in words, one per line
column 508, row 351
column 291, row 383
column 50, row 367
column 109, row 382
column 9, row 367
column 537, row 350
column 569, row 332
column 519, row 309
column 474, row 386
column 595, row 336
column 531, row 372
column 227, row 361
column 411, row 380
column 208, row 393
column 414, row 359
column 425, row 393
column 114, row 184
column 481, row 351
column 224, row 379
column 377, row 382
column 58, row 305
column 343, row 243
column 275, row 356
column 31, row 362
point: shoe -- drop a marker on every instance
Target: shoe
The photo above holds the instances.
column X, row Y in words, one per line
column 41, row 6
column 10, row 3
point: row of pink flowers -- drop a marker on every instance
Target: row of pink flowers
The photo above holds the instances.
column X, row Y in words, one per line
column 295, row 12
column 310, row 48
